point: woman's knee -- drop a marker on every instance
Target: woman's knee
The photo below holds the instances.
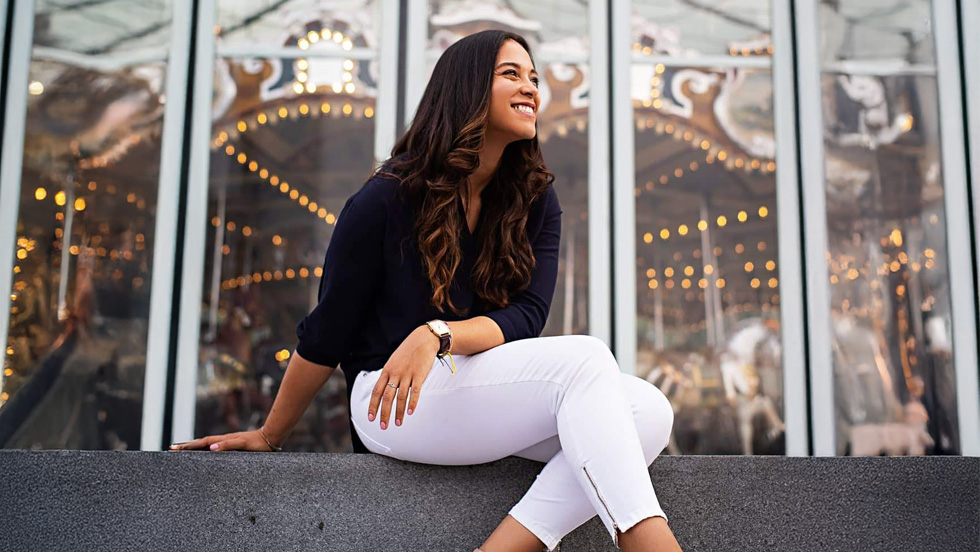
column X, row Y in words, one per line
column 592, row 354
column 652, row 413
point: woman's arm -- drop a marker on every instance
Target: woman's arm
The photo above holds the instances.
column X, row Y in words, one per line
column 302, row 381
column 470, row 337
column 473, row 336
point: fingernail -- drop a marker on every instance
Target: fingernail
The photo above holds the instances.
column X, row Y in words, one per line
column 409, row 411
column 173, row 447
column 370, row 417
column 214, row 446
column 384, row 425
column 398, row 422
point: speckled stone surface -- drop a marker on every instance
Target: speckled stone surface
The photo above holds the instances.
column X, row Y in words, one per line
column 78, row 500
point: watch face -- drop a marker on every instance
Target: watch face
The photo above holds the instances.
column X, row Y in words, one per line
column 440, row 327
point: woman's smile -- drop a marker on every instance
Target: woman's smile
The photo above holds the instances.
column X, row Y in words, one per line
column 525, row 109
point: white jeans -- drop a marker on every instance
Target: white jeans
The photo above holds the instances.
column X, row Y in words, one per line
column 561, row 400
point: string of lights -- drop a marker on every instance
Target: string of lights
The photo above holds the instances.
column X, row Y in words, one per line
column 269, row 276
column 284, row 187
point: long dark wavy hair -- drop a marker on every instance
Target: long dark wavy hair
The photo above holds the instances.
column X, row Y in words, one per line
column 434, row 158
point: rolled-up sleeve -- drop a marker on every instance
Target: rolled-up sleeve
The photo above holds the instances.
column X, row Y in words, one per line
column 527, row 312
column 352, row 271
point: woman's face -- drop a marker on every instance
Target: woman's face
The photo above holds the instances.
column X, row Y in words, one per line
column 514, row 97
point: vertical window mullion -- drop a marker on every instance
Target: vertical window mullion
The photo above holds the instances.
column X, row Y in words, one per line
column 195, row 224
column 165, row 232
column 790, row 253
column 385, row 131
column 416, row 71
column 3, row 38
column 809, row 96
column 15, row 119
column 953, row 152
column 970, row 19
column 624, row 202
column 600, row 275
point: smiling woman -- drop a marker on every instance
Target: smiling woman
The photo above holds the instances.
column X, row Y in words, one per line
column 451, row 247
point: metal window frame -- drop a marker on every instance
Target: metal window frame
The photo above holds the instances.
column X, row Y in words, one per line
column 599, row 185
column 959, row 250
column 623, row 200
column 386, row 118
column 970, row 19
column 815, row 228
column 195, row 224
column 791, row 311
column 3, row 51
column 417, row 36
column 15, row 117
column 165, row 232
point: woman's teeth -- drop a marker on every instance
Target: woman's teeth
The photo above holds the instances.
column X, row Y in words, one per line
column 524, row 109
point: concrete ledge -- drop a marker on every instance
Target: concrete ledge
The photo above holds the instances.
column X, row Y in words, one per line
column 93, row 500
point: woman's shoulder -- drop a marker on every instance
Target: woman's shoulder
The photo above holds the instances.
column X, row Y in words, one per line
column 546, row 203
column 376, row 192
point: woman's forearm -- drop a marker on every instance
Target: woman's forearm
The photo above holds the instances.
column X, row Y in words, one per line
column 302, row 381
column 474, row 335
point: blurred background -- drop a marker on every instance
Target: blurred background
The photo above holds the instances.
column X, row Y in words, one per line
column 767, row 207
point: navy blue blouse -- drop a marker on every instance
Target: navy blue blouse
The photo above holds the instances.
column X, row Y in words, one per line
column 374, row 292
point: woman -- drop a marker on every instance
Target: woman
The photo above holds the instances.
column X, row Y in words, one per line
column 436, row 285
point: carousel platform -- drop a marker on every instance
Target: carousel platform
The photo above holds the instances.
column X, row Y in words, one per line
column 93, row 500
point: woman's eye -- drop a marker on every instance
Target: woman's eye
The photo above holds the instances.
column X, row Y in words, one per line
column 535, row 80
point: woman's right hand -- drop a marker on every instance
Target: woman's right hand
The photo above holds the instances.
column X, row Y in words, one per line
column 242, row 440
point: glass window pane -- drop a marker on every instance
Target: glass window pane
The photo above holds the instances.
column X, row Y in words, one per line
column 889, row 31
column 123, row 26
column 683, row 28
column 558, row 33
column 312, row 25
column 894, row 382
column 708, row 326
column 76, row 350
column 292, row 139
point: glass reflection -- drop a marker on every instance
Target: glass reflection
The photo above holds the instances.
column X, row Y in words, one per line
column 685, row 28
column 558, row 33
column 707, row 270
column 305, row 24
column 890, row 305
column 888, row 32
column 75, row 357
column 292, row 139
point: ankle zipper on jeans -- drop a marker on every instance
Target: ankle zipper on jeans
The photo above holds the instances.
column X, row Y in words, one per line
column 604, row 505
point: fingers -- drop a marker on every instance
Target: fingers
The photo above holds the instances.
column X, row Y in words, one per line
column 236, row 443
column 203, row 442
column 376, row 395
column 402, row 402
column 228, row 441
column 414, row 400
column 387, row 401
column 389, row 394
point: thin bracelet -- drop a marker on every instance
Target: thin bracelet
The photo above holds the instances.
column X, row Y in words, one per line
column 273, row 447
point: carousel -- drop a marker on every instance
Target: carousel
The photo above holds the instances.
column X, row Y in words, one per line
column 707, row 263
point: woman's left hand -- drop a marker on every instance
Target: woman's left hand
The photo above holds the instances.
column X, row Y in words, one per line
column 407, row 369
